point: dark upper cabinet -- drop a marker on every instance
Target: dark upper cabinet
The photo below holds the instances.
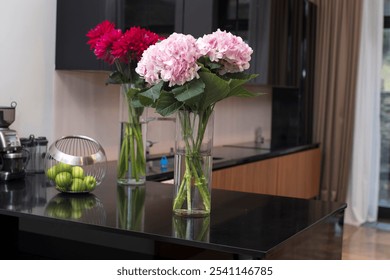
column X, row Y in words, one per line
column 76, row 17
column 279, row 31
column 160, row 16
column 275, row 29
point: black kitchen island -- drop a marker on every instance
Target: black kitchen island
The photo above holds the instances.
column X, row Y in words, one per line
column 117, row 222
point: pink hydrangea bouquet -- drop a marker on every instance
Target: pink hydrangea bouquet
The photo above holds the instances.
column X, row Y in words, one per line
column 122, row 51
column 189, row 76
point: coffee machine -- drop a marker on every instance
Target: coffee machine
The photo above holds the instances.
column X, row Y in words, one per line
column 12, row 156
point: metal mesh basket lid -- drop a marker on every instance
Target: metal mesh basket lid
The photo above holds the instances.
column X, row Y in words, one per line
column 77, row 150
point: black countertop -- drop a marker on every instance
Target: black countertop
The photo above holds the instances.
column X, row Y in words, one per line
column 227, row 156
column 140, row 220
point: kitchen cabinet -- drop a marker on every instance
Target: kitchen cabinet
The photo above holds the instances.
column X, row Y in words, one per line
column 293, row 175
column 279, row 31
column 76, row 17
column 275, row 29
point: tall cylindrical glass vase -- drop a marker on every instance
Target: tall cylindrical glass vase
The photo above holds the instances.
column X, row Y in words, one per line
column 193, row 163
column 132, row 150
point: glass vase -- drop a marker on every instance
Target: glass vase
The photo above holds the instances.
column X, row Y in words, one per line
column 131, row 207
column 193, row 163
column 191, row 229
column 131, row 168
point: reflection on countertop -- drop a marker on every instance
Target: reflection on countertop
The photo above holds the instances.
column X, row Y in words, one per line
column 23, row 194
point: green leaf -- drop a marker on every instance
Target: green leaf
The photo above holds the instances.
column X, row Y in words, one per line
column 149, row 96
column 136, row 103
column 236, row 82
column 189, row 90
column 242, row 92
column 145, row 101
column 216, row 89
column 240, row 76
column 213, row 66
column 208, row 64
column 132, row 92
column 167, row 104
column 115, row 78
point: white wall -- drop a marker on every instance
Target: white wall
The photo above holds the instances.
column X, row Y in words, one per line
column 27, row 41
column 57, row 103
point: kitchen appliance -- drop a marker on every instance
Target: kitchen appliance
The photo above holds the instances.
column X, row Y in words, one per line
column 36, row 148
column 12, row 156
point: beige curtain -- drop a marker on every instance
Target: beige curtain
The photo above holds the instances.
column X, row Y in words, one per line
column 337, row 51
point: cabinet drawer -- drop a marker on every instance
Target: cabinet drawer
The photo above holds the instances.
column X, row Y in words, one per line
column 294, row 175
column 257, row 177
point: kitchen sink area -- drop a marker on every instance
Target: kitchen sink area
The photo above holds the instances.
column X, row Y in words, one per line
column 223, row 157
column 159, row 167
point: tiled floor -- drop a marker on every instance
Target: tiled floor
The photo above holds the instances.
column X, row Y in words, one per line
column 368, row 242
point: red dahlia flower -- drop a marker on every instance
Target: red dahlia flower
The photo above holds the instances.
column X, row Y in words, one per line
column 122, row 49
column 133, row 43
column 100, row 29
column 104, row 45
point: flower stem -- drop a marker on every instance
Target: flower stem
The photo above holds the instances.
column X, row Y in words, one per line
column 132, row 146
column 188, row 183
column 194, row 176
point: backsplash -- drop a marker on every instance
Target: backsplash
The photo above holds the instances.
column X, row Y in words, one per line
column 85, row 105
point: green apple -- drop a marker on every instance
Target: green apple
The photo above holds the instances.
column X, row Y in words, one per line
column 90, row 182
column 63, row 180
column 63, row 167
column 52, row 172
column 78, row 172
column 76, row 214
column 62, row 189
column 65, row 213
column 89, row 202
column 77, row 185
column 77, row 204
column 50, row 210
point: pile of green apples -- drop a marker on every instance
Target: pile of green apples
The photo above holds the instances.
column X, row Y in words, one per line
column 69, row 178
column 70, row 207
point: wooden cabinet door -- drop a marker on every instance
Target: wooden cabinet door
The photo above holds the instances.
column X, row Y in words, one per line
column 299, row 174
column 256, row 177
column 294, row 175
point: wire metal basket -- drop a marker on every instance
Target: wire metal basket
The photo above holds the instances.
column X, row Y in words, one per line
column 76, row 164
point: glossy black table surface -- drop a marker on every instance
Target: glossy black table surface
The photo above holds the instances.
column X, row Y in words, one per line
column 117, row 222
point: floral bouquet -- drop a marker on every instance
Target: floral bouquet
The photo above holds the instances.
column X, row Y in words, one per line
column 123, row 51
column 189, row 76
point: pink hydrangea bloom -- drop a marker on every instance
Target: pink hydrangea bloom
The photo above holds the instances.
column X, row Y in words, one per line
column 172, row 60
column 227, row 49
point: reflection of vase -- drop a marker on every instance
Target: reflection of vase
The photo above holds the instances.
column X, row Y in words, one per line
column 131, row 207
column 132, row 157
column 192, row 229
column 193, row 163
